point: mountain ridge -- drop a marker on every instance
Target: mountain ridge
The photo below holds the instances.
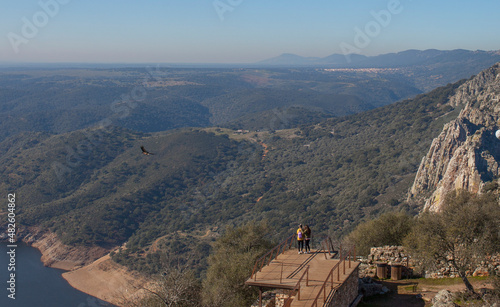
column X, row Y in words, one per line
column 404, row 58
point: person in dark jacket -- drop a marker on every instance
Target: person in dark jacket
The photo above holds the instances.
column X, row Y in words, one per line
column 307, row 238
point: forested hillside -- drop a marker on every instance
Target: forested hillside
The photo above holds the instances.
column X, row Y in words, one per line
column 95, row 187
column 159, row 99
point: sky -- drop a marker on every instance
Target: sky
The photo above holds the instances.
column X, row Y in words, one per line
column 237, row 31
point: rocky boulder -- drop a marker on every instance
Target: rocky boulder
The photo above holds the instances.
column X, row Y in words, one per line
column 443, row 298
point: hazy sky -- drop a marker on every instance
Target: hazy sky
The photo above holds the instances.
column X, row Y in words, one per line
column 237, row 31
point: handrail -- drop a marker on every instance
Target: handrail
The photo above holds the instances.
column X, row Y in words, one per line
column 327, row 241
column 279, row 249
column 352, row 251
column 287, row 244
column 323, row 286
column 289, row 300
column 327, row 248
column 297, row 285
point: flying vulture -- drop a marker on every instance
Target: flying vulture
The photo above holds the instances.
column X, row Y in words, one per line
column 144, row 151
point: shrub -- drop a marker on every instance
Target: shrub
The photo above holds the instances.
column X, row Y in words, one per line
column 388, row 229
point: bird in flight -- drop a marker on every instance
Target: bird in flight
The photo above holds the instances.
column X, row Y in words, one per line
column 145, row 152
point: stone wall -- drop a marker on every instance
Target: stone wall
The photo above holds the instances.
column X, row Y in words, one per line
column 347, row 292
column 398, row 254
column 273, row 298
column 345, row 295
column 390, row 255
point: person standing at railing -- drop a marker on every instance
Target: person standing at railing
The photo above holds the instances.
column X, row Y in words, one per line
column 300, row 239
column 307, row 238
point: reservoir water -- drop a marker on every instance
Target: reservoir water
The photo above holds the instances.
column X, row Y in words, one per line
column 37, row 285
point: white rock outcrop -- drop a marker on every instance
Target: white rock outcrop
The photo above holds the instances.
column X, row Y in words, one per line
column 466, row 154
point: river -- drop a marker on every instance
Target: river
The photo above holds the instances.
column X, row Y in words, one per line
column 35, row 284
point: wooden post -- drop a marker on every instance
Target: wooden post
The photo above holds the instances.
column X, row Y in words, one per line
column 408, row 268
column 281, row 274
column 307, row 277
column 344, row 265
column 260, row 297
column 338, row 272
column 349, row 259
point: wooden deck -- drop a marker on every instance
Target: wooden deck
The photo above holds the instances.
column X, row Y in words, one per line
column 288, row 268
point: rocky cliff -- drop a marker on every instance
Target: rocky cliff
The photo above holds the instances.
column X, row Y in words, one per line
column 466, row 154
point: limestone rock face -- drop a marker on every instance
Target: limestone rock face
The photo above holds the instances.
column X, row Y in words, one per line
column 443, row 298
column 466, row 154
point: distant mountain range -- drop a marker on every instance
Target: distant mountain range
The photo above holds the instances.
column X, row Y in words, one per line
column 389, row 60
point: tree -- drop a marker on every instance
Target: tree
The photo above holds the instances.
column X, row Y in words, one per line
column 388, row 229
column 465, row 231
column 231, row 263
column 175, row 287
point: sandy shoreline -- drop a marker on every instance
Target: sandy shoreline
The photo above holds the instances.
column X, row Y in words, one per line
column 106, row 280
column 89, row 270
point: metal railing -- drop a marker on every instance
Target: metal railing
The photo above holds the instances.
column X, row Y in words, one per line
column 329, row 278
column 327, row 245
column 296, row 289
column 272, row 254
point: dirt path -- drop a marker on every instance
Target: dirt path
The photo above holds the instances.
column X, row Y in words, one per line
column 266, row 150
column 154, row 246
column 403, row 292
column 396, row 297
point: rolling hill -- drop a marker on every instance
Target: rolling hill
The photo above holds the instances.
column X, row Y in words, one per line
column 56, row 100
column 94, row 186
